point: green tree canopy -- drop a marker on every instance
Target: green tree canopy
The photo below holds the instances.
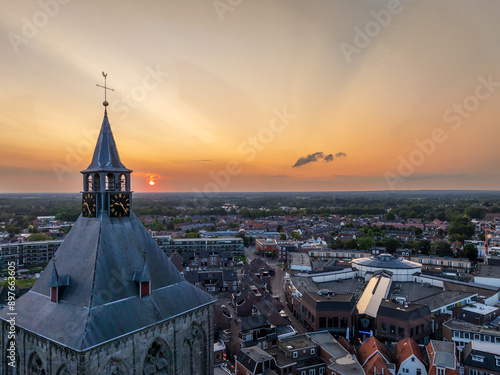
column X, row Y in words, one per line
column 470, row 251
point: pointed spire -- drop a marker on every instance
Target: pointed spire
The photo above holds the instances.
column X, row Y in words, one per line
column 106, row 156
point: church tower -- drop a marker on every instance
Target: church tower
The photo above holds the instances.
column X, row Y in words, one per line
column 110, row 302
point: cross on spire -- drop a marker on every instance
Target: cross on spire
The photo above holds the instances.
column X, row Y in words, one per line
column 105, row 102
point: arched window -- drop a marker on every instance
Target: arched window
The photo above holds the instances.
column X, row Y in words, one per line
column 114, row 367
column 195, row 342
column 35, row 365
column 110, row 181
column 88, row 183
column 123, row 182
column 63, row 370
column 97, row 182
column 158, row 359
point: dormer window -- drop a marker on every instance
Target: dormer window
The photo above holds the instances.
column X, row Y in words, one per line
column 57, row 284
column 142, row 279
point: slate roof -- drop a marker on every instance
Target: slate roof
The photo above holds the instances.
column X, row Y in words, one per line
column 442, row 354
column 329, row 302
column 106, row 156
column 488, row 351
column 250, row 357
column 254, row 322
column 102, row 302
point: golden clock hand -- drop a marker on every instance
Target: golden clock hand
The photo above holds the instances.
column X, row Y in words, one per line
column 88, row 208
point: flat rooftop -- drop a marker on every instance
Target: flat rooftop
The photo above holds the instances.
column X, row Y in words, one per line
column 444, row 298
column 412, row 291
column 300, row 259
column 479, row 308
column 297, row 342
column 487, row 270
column 353, row 286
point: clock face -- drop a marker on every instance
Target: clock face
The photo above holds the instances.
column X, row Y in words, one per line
column 89, row 205
column 119, row 205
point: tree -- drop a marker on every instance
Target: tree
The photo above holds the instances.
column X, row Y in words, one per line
column 390, row 216
column 461, row 225
column 350, row 244
column 425, row 247
column 475, row 212
column 443, row 248
column 365, row 242
column 470, row 251
column 246, row 240
column 336, row 244
column 39, row 237
column 391, row 244
column 283, row 236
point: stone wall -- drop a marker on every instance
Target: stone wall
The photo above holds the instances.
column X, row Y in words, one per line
column 183, row 345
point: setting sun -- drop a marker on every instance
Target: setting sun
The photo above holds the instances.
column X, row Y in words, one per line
column 151, row 182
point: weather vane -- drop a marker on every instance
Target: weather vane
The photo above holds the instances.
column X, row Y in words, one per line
column 105, row 102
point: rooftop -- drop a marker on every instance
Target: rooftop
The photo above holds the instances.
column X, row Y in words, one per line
column 443, row 298
column 486, row 270
column 372, row 296
column 402, row 311
column 480, row 308
column 386, row 261
column 444, row 353
column 297, row 342
column 342, row 362
column 328, row 301
column 413, row 291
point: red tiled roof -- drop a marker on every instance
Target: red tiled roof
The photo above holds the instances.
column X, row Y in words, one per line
column 376, row 365
column 370, row 347
column 405, row 349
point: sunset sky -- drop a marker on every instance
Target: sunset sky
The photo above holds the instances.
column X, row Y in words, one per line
column 253, row 95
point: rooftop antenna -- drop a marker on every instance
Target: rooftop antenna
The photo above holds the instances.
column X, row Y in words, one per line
column 105, row 102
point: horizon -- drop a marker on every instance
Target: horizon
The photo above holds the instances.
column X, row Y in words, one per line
column 221, row 193
column 270, row 97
